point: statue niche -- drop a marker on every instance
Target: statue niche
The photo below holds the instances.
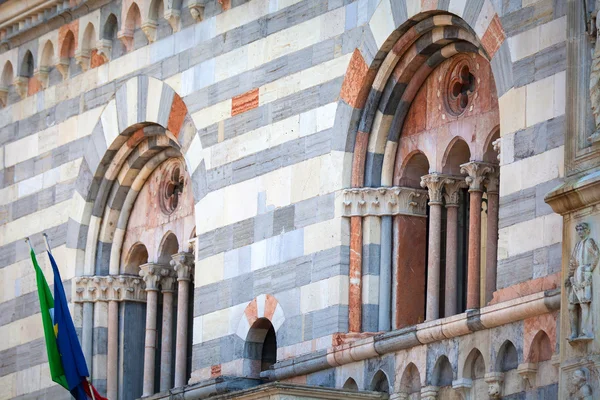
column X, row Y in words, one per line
column 579, row 284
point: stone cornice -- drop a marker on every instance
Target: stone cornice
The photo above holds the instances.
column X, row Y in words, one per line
column 109, row 288
column 393, row 200
column 427, row 332
column 575, row 194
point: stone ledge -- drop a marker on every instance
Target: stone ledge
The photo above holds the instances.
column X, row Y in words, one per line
column 458, row 325
column 381, row 201
column 575, row 194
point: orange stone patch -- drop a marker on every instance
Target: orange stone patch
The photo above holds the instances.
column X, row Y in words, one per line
column 215, row 371
column 427, row 5
column 178, row 111
column 72, row 27
column 225, row 4
column 33, row 86
column 244, row 102
column 270, row 306
column 526, row 288
column 493, row 37
column 354, row 90
column 135, row 138
column 531, row 326
column 96, row 60
column 251, row 312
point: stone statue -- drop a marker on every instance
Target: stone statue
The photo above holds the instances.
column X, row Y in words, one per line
column 579, row 389
column 595, row 73
column 579, row 283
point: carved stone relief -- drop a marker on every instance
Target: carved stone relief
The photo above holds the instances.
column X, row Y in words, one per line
column 578, row 386
column 385, row 201
column 109, row 288
column 578, row 284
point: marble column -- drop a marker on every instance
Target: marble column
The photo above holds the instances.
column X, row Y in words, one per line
column 167, row 284
column 112, row 353
column 183, row 263
column 151, row 274
column 476, row 173
column 491, row 256
column 452, row 196
column 434, row 184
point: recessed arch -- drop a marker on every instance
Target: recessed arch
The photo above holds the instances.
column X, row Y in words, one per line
column 541, row 348
column 380, row 383
column 457, row 153
column 27, row 65
column 47, row 58
column 110, row 29
column 350, row 384
column 507, row 358
column 415, row 166
column 133, row 20
column 168, row 246
column 490, row 154
column 410, row 382
column 474, row 367
column 260, row 347
column 7, row 77
column 137, row 256
column 67, row 49
column 442, row 374
column 89, row 39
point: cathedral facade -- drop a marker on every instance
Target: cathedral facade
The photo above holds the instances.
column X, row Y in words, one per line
column 304, row 199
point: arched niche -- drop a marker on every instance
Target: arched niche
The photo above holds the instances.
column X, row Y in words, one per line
column 137, row 256
column 168, row 246
column 350, row 384
column 442, row 374
column 410, row 382
column 260, row 348
column 415, row 167
column 508, row 357
column 458, row 153
column 541, row 348
column 380, row 383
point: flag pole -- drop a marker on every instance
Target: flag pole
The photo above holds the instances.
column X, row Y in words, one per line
column 87, row 379
column 47, row 243
column 28, row 242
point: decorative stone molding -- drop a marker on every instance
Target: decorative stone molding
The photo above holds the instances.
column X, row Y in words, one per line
column 183, row 265
column 21, row 83
column 17, row 20
column 126, row 37
column 429, row 392
column 399, row 396
column 452, row 188
column 463, row 387
column 393, row 200
column 168, row 278
column 104, row 47
column 83, row 59
column 528, row 372
column 149, row 29
column 434, row 183
column 63, row 67
column 173, row 17
column 109, row 288
column 476, row 174
column 196, row 9
column 151, row 273
column 3, row 96
column 41, row 74
column 494, row 381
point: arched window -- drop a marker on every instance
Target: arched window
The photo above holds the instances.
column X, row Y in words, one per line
column 260, row 350
column 380, row 383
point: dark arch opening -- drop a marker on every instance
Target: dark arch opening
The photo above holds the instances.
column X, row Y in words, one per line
column 260, row 350
column 458, row 153
column 508, row 357
column 541, row 348
column 27, row 66
column 138, row 255
column 168, row 247
column 350, row 384
column 442, row 372
column 380, row 383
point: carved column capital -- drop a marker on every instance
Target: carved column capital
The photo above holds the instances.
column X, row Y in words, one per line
column 528, row 372
column 104, row 47
column 173, row 16
column 196, row 9
column 41, row 74
column 494, row 381
column 83, row 59
column 476, row 174
column 434, row 183
column 183, row 264
column 452, row 186
column 168, row 277
column 151, row 274
column 3, row 96
column 126, row 37
column 63, row 67
column 497, row 145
